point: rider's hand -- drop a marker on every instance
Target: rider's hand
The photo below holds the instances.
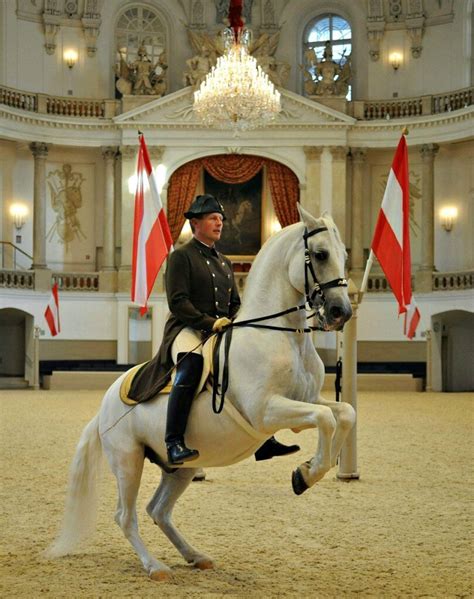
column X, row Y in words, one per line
column 220, row 324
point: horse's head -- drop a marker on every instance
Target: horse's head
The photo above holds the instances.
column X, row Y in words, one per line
column 316, row 269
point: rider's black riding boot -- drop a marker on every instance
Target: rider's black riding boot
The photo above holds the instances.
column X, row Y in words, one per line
column 188, row 375
column 273, row 448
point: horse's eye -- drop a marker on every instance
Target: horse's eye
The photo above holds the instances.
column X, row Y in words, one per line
column 321, row 255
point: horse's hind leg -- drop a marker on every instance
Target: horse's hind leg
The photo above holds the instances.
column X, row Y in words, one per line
column 127, row 468
column 160, row 509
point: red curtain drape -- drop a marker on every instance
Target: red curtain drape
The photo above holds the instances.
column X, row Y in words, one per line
column 181, row 192
column 231, row 168
column 285, row 192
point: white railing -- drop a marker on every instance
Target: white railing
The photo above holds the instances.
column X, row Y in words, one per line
column 368, row 110
column 76, row 281
column 58, row 105
column 452, row 100
column 365, row 110
column 75, row 107
column 17, row 279
column 447, row 281
column 18, row 99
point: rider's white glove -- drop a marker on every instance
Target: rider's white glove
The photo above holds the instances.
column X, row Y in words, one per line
column 221, row 323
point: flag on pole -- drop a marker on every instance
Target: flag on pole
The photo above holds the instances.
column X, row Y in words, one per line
column 151, row 233
column 391, row 243
column 52, row 312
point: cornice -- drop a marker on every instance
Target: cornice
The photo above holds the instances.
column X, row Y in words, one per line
column 29, row 126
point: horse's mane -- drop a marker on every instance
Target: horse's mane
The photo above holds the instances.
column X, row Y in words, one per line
column 294, row 234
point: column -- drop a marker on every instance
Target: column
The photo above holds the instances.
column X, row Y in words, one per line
column 357, row 222
column 312, row 199
column 107, row 281
column 40, row 152
column 339, row 183
column 128, row 159
column 423, row 278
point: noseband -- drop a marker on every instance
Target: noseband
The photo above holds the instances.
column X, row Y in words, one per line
column 318, row 288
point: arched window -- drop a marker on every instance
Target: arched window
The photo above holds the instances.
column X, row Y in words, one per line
column 139, row 26
column 328, row 28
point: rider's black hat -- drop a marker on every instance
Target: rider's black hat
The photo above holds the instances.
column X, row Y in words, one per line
column 204, row 204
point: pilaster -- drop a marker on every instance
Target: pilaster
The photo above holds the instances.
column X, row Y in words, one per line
column 40, row 153
column 312, row 196
column 357, row 246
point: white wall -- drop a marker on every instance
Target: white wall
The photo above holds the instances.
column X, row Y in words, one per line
column 454, row 186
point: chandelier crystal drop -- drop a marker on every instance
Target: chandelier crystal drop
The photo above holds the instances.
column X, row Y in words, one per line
column 236, row 94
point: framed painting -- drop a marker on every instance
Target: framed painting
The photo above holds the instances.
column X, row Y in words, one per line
column 242, row 233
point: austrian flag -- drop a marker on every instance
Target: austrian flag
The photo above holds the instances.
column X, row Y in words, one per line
column 391, row 243
column 151, row 234
column 52, row 312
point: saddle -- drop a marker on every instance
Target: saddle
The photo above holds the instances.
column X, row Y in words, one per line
column 207, row 371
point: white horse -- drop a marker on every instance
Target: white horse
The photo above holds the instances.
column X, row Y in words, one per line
column 275, row 378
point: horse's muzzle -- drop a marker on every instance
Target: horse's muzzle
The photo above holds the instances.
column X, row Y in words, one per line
column 338, row 314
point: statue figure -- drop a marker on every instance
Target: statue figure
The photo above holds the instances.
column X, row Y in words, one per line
column 142, row 77
column 326, row 77
column 309, row 71
column 263, row 49
column 199, row 67
column 207, row 50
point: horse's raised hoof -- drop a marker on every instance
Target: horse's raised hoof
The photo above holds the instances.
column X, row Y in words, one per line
column 204, row 563
column 160, row 575
column 298, row 482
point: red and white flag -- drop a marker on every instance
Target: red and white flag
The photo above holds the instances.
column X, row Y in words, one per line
column 52, row 312
column 391, row 243
column 151, row 233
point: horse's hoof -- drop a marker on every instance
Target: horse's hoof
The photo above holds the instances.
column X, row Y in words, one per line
column 204, row 563
column 160, row 575
column 298, row 482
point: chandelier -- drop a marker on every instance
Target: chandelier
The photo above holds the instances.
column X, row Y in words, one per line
column 237, row 94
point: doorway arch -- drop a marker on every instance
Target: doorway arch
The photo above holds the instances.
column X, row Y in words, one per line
column 18, row 359
column 452, row 340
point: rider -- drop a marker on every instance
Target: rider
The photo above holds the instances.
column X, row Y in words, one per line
column 203, row 298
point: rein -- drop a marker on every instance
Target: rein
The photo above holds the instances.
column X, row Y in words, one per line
column 317, row 290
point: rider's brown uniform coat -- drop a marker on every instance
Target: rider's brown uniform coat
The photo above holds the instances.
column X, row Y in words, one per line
column 200, row 288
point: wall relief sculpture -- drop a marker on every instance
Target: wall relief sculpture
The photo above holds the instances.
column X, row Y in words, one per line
column 66, row 200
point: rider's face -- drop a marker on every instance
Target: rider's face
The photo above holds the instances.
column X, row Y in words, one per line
column 208, row 229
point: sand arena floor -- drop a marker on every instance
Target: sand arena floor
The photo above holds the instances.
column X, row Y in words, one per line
column 404, row 530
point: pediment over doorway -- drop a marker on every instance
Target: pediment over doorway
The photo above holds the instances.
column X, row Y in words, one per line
column 175, row 111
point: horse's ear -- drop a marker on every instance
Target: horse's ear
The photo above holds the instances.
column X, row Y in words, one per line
column 305, row 217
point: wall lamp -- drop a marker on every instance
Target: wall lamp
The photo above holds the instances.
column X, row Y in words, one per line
column 448, row 216
column 395, row 60
column 18, row 213
column 70, row 58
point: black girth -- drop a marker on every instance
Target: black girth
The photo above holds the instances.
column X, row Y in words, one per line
column 310, row 296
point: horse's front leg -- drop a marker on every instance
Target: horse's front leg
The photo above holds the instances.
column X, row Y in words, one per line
column 282, row 412
column 345, row 416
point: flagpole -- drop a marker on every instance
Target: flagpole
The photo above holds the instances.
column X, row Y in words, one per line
column 368, row 267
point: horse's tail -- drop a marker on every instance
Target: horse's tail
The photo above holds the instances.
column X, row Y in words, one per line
column 81, row 501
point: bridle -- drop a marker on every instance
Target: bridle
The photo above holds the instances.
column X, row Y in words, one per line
column 318, row 288
column 311, row 295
